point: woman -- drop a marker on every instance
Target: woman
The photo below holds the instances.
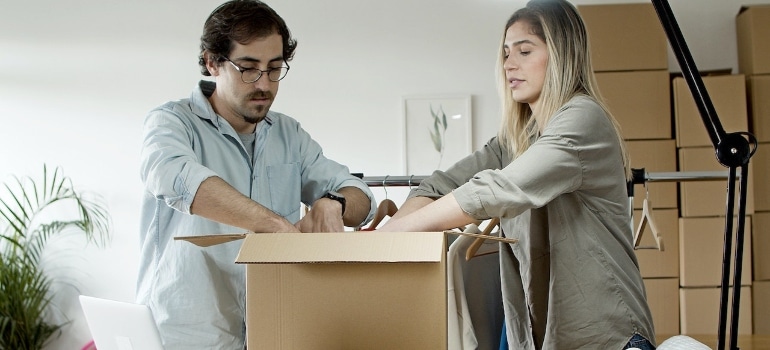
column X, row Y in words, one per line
column 556, row 176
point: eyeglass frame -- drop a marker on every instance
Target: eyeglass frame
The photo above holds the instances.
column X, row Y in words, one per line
column 261, row 72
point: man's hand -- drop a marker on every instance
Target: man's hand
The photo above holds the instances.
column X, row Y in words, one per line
column 324, row 216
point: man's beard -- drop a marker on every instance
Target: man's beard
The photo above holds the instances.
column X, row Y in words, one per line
column 261, row 111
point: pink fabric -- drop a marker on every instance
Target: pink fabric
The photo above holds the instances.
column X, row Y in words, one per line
column 89, row 346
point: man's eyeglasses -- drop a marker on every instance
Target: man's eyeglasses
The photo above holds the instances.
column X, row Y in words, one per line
column 250, row 75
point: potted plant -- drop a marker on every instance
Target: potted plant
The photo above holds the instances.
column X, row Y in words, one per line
column 28, row 219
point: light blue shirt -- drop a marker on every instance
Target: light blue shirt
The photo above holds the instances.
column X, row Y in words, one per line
column 197, row 295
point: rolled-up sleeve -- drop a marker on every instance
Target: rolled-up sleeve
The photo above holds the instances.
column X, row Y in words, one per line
column 170, row 169
column 550, row 167
column 321, row 175
column 556, row 163
column 441, row 183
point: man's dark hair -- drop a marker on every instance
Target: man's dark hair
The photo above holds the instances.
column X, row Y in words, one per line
column 241, row 21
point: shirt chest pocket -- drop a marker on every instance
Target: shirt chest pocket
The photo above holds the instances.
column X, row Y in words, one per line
column 285, row 187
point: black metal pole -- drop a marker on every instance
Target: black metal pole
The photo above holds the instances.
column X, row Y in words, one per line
column 732, row 151
column 690, row 71
column 726, row 254
column 739, row 238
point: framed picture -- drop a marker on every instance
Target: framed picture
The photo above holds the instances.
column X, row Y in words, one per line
column 437, row 132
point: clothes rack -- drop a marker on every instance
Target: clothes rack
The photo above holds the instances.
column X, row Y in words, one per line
column 388, row 180
column 640, row 176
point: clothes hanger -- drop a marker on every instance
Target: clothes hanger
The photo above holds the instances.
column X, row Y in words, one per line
column 387, row 207
column 647, row 220
column 474, row 247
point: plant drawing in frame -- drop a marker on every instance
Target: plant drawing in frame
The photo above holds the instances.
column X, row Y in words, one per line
column 437, row 132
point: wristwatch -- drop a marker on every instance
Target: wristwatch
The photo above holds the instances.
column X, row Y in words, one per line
column 337, row 197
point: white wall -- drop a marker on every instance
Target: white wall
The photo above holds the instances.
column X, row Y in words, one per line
column 77, row 77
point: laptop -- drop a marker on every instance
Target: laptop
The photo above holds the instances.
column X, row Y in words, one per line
column 117, row 325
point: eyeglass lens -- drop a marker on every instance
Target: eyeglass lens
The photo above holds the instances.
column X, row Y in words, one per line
column 274, row 74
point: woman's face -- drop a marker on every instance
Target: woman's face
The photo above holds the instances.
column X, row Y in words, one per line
column 526, row 58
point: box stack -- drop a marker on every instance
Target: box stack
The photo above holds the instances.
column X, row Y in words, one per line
column 753, row 29
column 702, row 203
column 630, row 60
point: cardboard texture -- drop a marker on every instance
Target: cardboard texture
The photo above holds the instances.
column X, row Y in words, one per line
column 663, row 300
column 758, row 90
column 708, row 198
column 625, row 37
column 654, row 263
column 701, row 246
column 346, row 290
column 699, row 313
column 727, row 94
column 759, row 164
column 654, row 156
column 760, row 233
column 760, row 303
column 640, row 101
column 752, row 25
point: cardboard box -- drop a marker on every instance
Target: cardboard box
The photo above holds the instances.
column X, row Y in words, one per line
column 699, row 313
column 760, row 303
column 654, row 263
column 701, row 246
column 758, row 90
column 727, row 94
column 759, row 164
column 640, row 101
column 752, row 26
column 346, row 290
column 625, row 37
column 760, row 233
column 663, row 300
column 654, row 156
column 708, row 198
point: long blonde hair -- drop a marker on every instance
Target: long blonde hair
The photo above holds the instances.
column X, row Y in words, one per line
column 569, row 73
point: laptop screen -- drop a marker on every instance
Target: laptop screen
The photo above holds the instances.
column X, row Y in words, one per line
column 117, row 325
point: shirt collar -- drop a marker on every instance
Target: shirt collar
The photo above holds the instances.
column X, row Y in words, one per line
column 202, row 107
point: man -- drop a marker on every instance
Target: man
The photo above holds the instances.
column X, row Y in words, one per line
column 221, row 162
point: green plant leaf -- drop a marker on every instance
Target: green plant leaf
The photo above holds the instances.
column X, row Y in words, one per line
column 443, row 118
column 24, row 288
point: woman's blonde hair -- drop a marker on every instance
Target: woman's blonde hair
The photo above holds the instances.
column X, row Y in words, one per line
column 569, row 73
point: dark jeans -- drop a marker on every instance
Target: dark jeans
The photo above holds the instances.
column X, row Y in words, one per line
column 639, row 342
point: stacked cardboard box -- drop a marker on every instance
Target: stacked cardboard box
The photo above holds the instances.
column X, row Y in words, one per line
column 753, row 29
column 630, row 60
column 702, row 204
column 628, row 48
column 628, row 51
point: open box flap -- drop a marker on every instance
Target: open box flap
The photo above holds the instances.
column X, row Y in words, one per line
column 746, row 7
column 488, row 237
column 342, row 247
column 209, row 240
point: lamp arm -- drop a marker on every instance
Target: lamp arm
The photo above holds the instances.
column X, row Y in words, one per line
column 732, row 151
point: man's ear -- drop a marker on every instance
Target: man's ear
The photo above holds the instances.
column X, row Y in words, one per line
column 211, row 63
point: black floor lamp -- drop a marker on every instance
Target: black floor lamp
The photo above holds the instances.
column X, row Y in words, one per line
column 733, row 151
